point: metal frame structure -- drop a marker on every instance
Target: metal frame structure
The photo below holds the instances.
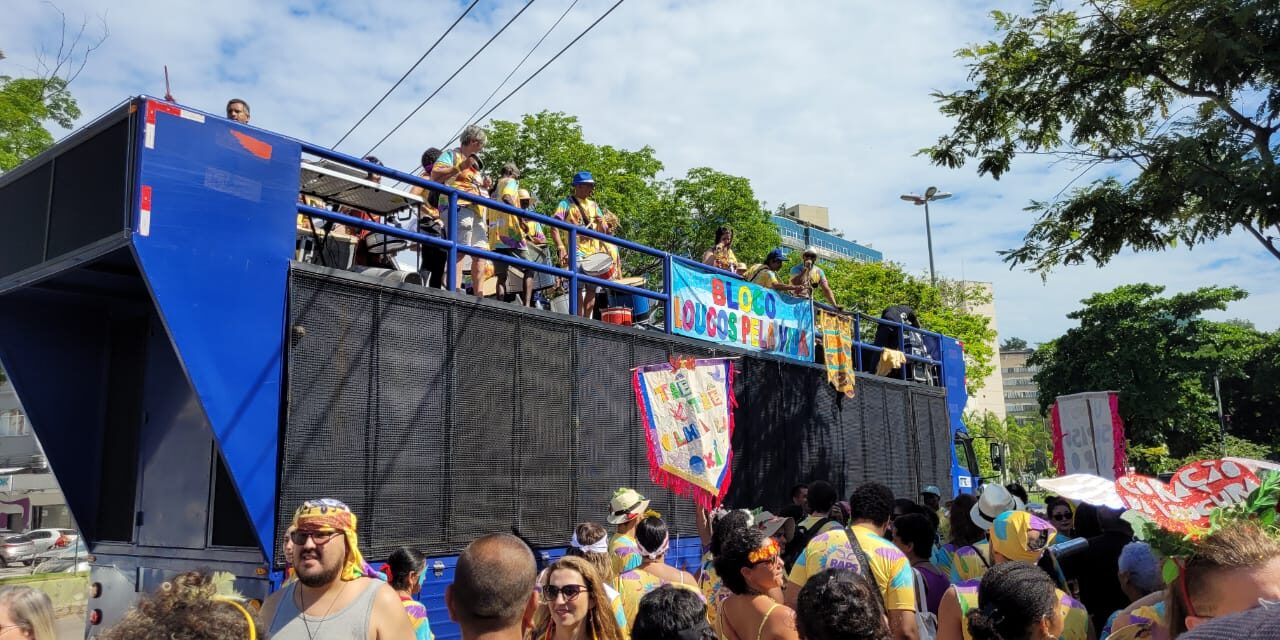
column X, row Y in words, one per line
column 572, row 274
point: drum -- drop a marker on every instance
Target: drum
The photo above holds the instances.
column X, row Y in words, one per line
column 542, row 279
column 383, row 244
column 640, row 305
column 617, row 315
column 599, row 265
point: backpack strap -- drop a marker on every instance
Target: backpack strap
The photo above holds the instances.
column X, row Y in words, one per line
column 865, row 562
column 921, row 592
column 981, row 556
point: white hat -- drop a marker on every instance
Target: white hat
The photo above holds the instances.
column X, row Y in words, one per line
column 994, row 501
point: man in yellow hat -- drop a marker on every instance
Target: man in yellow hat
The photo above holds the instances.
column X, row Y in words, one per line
column 625, row 510
column 333, row 597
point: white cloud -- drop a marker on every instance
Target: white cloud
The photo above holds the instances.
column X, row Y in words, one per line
column 821, row 103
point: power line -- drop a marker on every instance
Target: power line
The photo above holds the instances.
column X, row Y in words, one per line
column 513, row 72
column 553, row 59
column 406, row 74
column 450, row 78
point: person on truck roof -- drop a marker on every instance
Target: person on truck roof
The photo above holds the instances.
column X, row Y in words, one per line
column 811, row 276
column 333, row 597
column 238, row 110
column 460, row 168
column 766, row 275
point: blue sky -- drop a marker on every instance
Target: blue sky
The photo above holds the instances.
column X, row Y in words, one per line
column 816, row 103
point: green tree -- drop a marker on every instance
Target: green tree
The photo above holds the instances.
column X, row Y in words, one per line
column 678, row 216
column 1158, row 352
column 1013, row 344
column 1028, row 446
column 1250, row 396
column 704, row 200
column 1184, row 93
column 870, row 287
column 27, row 104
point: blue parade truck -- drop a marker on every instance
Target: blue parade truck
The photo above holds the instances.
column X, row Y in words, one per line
column 193, row 374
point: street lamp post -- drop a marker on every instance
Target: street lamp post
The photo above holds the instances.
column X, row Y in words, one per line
column 930, row 194
column 1222, row 421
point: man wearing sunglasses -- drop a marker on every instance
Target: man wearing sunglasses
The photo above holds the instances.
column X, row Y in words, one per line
column 333, row 597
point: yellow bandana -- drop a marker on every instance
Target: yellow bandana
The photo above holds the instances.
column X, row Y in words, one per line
column 326, row 515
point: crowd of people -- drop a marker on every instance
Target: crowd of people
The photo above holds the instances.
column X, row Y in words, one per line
column 873, row 568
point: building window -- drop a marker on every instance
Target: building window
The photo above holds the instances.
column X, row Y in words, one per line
column 13, row 423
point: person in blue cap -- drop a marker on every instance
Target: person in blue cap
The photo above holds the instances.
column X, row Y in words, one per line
column 766, row 274
column 578, row 209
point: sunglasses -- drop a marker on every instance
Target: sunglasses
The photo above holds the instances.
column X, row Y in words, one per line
column 570, row 591
column 321, row 538
column 768, row 552
column 1062, row 517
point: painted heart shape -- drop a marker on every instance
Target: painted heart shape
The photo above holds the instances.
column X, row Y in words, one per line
column 1183, row 505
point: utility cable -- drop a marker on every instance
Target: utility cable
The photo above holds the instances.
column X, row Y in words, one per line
column 553, row 59
column 406, row 74
column 450, row 78
column 513, row 72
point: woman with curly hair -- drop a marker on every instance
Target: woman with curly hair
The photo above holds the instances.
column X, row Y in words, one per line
column 750, row 564
column 189, row 607
column 573, row 604
column 1016, row 601
column 713, row 529
column 838, row 604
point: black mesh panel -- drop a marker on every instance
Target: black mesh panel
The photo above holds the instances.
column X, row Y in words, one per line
column 899, row 450
column 439, row 419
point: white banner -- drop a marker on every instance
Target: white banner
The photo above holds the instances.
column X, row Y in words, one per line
column 1088, row 435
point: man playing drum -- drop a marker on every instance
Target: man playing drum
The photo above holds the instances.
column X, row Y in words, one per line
column 579, row 209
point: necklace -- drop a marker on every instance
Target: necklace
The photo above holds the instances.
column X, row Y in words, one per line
column 302, row 610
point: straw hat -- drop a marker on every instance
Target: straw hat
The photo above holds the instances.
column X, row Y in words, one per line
column 626, row 505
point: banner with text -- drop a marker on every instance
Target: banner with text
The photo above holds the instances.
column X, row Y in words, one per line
column 729, row 311
column 1088, row 435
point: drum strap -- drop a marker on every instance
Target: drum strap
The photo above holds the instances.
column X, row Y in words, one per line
column 582, row 210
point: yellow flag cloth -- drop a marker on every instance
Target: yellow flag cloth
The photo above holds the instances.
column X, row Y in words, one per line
column 889, row 360
column 837, row 342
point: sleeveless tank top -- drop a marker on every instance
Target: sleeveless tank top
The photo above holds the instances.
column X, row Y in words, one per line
column 349, row 623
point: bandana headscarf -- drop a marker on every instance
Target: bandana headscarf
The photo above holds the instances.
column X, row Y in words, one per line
column 1010, row 531
column 599, row 546
column 327, row 515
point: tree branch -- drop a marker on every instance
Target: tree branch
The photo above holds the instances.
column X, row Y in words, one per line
column 1268, row 242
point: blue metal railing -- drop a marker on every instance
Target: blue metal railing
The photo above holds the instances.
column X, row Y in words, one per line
column 571, row 273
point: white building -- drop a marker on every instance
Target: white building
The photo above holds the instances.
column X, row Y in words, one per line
column 991, row 396
column 29, row 495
